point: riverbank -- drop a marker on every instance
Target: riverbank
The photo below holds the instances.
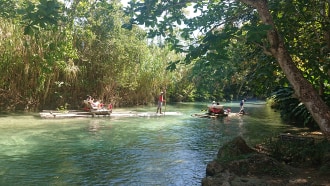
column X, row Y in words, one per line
column 238, row 164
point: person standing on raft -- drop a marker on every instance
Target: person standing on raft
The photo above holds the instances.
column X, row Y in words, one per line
column 241, row 104
column 160, row 102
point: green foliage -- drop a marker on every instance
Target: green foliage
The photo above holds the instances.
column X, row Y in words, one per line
column 256, row 33
column 298, row 153
column 7, row 8
column 42, row 15
column 63, row 108
column 224, row 52
column 76, row 49
column 292, row 110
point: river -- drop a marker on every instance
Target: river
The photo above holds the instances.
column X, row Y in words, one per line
column 166, row 150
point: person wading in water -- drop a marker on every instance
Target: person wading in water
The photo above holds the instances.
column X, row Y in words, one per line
column 160, row 102
column 241, row 104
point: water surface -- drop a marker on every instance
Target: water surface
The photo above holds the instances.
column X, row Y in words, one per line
column 167, row 150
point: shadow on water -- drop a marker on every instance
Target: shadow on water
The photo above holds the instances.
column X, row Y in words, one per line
column 166, row 150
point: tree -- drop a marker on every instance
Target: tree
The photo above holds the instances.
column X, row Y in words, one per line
column 303, row 88
column 232, row 17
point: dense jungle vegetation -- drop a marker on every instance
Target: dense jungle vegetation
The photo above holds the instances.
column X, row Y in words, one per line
column 54, row 53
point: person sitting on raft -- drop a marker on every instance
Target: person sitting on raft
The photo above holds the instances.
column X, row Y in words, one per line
column 96, row 104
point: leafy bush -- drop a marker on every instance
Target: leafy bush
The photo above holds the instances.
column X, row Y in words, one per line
column 298, row 153
column 291, row 109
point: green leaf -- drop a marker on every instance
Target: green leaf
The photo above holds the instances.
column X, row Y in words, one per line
column 128, row 26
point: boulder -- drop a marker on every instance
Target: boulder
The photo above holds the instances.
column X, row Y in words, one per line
column 236, row 147
column 238, row 164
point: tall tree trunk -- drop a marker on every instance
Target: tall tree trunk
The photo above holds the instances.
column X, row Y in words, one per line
column 303, row 89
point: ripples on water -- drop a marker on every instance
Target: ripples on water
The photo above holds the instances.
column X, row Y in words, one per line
column 170, row 150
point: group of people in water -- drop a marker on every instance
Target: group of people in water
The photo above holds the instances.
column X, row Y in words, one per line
column 219, row 110
column 95, row 104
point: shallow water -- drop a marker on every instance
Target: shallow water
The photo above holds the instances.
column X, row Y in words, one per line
column 166, row 150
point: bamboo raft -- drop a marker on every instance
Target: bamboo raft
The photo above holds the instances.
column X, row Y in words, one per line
column 74, row 113
column 48, row 114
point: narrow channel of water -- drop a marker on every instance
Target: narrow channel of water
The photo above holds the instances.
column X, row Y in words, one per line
column 167, row 150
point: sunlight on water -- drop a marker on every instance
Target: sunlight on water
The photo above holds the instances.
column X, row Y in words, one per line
column 163, row 150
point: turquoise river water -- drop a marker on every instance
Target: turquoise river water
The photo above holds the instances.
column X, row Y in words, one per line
column 166, row 150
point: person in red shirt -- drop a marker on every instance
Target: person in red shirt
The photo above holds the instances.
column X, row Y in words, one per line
column 160, row 102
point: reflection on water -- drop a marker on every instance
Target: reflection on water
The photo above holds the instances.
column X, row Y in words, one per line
column 170, row 150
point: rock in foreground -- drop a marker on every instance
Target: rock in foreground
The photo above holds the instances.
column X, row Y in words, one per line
column 238, row 164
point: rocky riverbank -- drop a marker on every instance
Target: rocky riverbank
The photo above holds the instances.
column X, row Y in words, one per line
column 238, row 164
